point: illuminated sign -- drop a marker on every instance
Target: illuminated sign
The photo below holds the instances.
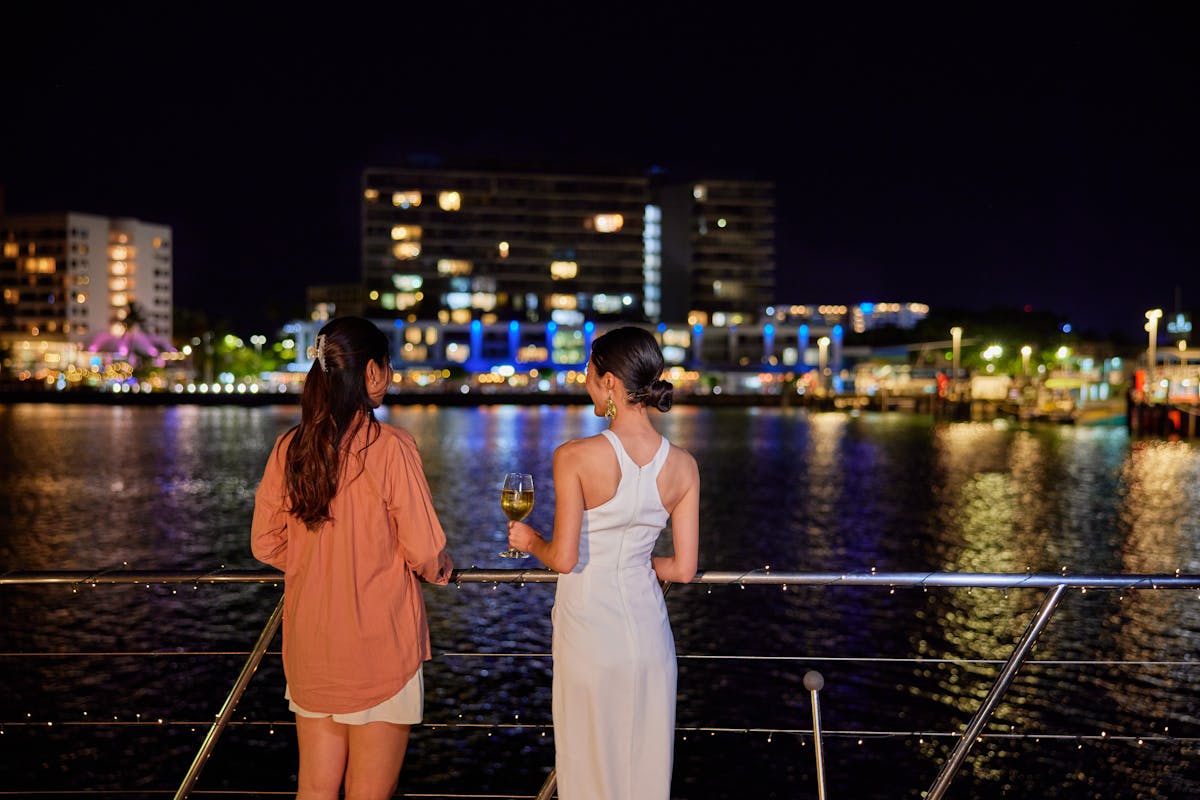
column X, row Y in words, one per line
column 1180, row 327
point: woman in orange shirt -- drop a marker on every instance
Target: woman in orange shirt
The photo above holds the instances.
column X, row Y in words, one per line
column 344, row 510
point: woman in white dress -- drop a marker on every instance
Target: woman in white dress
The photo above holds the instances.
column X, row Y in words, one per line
column 614, row 655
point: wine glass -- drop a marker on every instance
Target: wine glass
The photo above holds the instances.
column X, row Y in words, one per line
column 516, row 500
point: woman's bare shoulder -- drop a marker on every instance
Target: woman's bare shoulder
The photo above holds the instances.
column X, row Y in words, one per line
column 587, row 447
column 683, row 461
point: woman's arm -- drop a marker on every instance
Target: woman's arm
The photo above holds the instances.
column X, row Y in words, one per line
column 268, row 529
column 685, row 532
column 561, row 553
column 414, row 519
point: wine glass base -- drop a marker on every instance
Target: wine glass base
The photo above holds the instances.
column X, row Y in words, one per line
column 511, row 553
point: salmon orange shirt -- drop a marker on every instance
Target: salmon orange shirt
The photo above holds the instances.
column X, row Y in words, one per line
column 354, row 626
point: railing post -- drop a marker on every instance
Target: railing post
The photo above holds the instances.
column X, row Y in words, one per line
column 1003, row 681
column 547, row 790
column 815, row 682
column 235, row 694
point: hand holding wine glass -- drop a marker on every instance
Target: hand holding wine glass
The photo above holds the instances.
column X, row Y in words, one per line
column 516, row 500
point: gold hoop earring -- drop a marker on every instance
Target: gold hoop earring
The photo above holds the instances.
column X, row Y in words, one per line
column 610, row 410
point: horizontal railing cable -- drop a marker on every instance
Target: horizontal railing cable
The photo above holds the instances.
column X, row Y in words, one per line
column 546, row 728
column 966, row 580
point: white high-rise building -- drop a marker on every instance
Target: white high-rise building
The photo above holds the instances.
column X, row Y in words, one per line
column 68, row 279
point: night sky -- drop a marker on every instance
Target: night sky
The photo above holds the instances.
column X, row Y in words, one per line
column 962, row 159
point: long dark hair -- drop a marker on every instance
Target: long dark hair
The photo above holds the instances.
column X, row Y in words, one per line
column 333, row 408
column 632, row 354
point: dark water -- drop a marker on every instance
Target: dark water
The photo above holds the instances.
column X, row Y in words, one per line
column 93, row 487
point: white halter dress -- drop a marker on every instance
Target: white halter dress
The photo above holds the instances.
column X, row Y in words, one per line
column 614, row 655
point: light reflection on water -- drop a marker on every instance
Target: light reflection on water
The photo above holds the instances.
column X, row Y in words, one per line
column 92, row 487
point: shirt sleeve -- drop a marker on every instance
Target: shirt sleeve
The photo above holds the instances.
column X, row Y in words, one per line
column 410, row 508
column 268, row 530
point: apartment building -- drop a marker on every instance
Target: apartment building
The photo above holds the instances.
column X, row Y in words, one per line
column 69, row 279
column 718, row 240
column 496, row 246
column 461, row 245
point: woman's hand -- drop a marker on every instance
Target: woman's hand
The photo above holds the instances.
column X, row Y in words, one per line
column 522, row 537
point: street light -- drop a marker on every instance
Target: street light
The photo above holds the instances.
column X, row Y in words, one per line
column 956, row 339
column 1026, row 351
column 1152, row 318
column 258, row 340
column 822, row 357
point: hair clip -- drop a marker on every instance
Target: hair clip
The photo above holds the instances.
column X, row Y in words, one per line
column 317, row 352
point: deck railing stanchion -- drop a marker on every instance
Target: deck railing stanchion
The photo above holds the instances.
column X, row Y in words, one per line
column 235, row 694
column 1003, row 681
column 815, row 682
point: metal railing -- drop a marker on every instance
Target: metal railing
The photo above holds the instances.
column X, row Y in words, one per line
column 1055, row 586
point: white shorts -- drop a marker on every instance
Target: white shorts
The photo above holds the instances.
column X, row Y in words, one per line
column 405, row 707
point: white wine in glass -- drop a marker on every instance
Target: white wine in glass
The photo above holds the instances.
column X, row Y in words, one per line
column 516, row 500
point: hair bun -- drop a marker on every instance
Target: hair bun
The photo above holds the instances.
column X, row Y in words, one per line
column 660, row 394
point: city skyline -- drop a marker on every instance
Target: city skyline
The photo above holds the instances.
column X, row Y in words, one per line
column 978, row 163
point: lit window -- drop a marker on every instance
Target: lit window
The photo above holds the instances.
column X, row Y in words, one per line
column 388, row 301
column 461, row 316
column 721, row 223
column 11, row 249
column 374, row 295
column 116, row 329
column 12, row 296
column 407, row 283
column 406, row 300
column 118, row 268
column 454, row 266
column 158, row 242
column 449, row 201
column 503, row 248
column 118, row 253
column 118, row 284
column 119, row 299
column 43, row 266
column 532, row 354
column 682, row 338
column 371, row 195
column 608, row 223
column 409, row 199
column 700, row 192
column 484, row 301
column 81, row 298
column 730, row 289
column 565, row 301
column 606, row 304
column 402, row 233
column 561, row 270
column 406, row 251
